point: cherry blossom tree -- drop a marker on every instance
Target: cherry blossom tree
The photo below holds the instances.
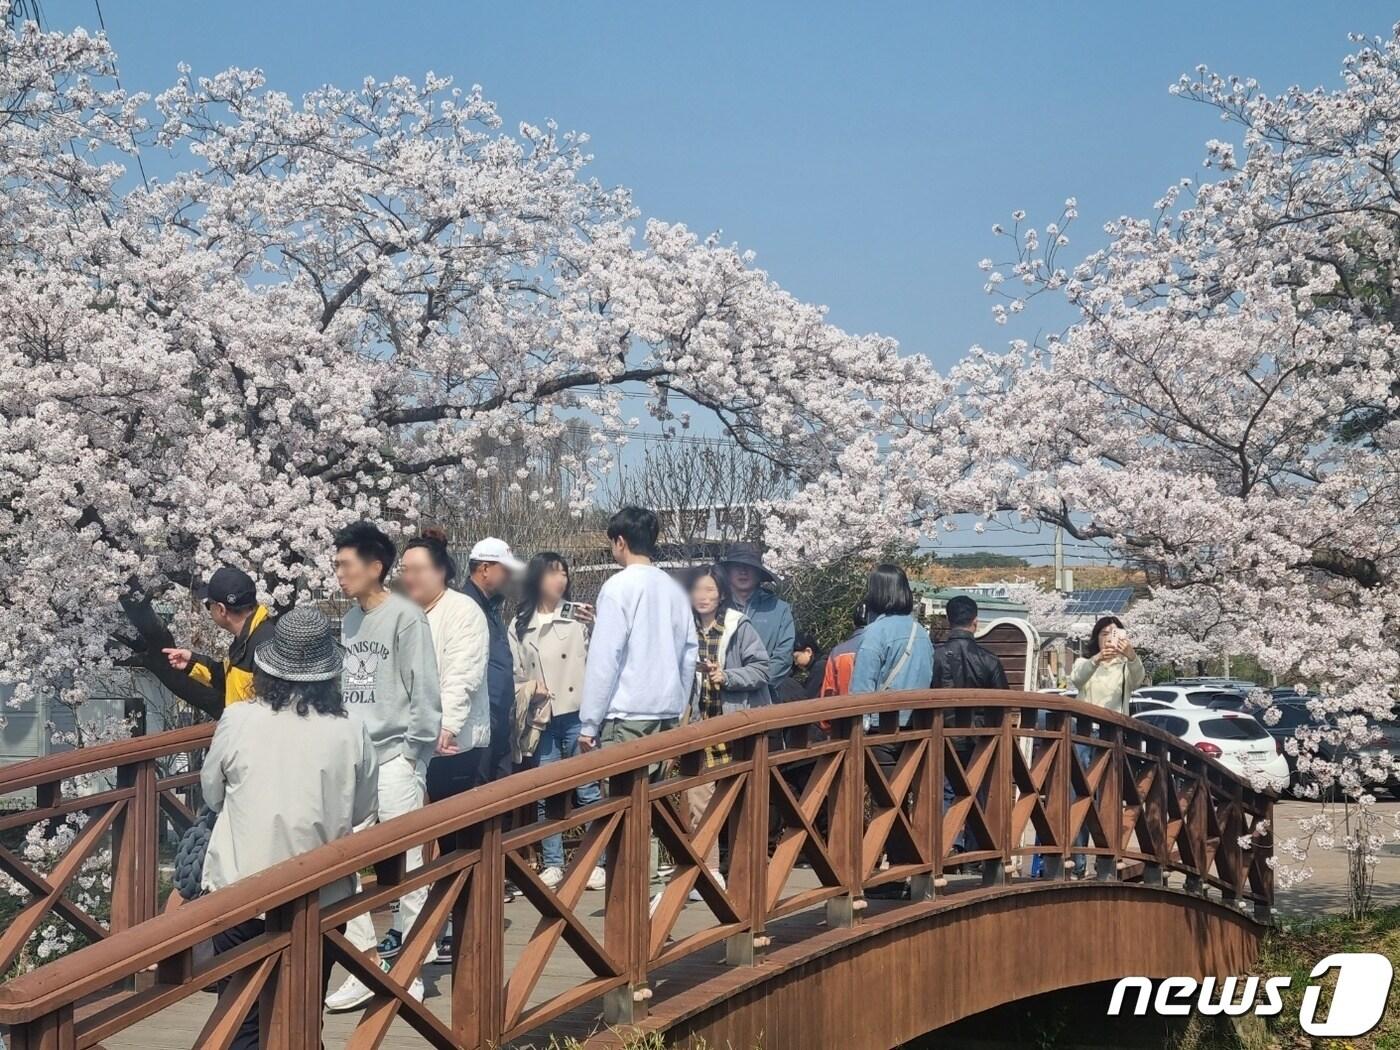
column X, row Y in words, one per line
column 1225, row 409
column 323, row 300
column 1189, row 626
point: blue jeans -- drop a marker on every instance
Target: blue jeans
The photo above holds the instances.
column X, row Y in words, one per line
column 560, row 740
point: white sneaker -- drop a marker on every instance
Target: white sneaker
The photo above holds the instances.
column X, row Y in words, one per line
column 695, row 893
column 552, row 876
column 598, row 879
column 353, row 993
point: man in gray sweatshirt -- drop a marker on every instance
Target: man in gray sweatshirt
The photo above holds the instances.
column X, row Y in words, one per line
column 390, row 681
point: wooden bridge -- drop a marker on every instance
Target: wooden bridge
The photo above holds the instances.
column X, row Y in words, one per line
column 795, row 948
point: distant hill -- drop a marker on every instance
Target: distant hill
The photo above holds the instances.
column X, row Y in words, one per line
column 981, row 560
column 942, row 574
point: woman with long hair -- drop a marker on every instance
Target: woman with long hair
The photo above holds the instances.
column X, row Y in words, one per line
column 549, row 644
column 1110, row 668
column 731, row 673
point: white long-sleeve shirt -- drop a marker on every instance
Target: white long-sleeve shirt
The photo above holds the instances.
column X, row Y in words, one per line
column 641, row 659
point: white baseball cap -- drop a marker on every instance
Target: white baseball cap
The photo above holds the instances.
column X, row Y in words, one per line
column 492, row 549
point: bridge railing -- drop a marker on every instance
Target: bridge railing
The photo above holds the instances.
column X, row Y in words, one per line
column 81, row 833
column 964, row 795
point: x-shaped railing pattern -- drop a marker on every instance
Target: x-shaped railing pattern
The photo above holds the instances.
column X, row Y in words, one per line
column 977, row 784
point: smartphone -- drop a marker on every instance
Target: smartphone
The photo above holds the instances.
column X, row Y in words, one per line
column 567, row 610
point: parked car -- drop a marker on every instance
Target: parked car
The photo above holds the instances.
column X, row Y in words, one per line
column 1188, row 696
column 1137, row 706
column 1238, row 685
column 1293, row 713
column 1385, row 744
column 1239, row 741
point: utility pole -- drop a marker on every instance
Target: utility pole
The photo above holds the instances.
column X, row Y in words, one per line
column 1059, row 560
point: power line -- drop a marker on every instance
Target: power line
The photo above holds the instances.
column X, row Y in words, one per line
column 135, row 146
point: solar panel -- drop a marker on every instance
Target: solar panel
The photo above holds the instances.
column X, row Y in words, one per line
column 1102, row 600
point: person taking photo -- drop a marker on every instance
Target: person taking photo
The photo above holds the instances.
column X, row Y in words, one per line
column 1110, row 668
column 549, row 643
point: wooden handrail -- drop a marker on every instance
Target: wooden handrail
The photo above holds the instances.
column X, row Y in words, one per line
column 134, row 800
column 1023, row 764
column 20, row 776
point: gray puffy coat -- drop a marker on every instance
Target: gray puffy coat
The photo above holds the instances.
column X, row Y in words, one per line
column 746, row 666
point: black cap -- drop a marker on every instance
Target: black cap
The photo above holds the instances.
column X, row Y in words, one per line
column 232, row 587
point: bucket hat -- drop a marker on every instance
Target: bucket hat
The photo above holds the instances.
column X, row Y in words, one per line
column 302, row 648
column 747, row 554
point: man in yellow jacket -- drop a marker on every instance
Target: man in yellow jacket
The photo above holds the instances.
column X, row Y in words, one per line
column 232, row 601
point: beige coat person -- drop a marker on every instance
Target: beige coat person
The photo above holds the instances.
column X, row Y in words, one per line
column 283, row 784
column 1108, row 683
column 552, row 653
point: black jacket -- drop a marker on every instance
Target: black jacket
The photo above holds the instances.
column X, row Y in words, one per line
column 500, row 665
column 961, row 663
column 789, row 687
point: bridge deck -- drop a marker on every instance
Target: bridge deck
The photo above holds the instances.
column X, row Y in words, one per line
column 177, row 1027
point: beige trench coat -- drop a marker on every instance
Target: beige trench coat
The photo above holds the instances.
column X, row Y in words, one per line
column 553, row 653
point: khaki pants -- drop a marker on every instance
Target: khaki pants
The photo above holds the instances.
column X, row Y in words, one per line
column 621, row 730
column 697, row 800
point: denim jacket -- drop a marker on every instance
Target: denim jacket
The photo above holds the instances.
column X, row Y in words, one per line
column 881, row 647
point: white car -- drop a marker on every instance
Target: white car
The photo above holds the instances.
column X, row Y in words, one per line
column 1237, row 740
column 1186, row 696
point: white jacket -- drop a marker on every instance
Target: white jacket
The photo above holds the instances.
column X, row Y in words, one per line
column 462, row 639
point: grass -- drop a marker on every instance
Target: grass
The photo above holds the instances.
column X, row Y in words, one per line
column 1294, row 949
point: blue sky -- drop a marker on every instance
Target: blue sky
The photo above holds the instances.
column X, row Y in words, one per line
column 862, row 150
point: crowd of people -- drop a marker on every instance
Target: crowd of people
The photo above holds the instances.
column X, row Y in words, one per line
column 429, row 690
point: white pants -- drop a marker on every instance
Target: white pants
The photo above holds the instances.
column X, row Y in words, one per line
column 401, row 784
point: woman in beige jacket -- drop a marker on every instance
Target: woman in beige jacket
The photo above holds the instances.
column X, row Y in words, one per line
column 1110, row 668
column 549, row 644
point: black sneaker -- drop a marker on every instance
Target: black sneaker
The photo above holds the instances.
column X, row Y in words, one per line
column 391, row 945
column 444, row 954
